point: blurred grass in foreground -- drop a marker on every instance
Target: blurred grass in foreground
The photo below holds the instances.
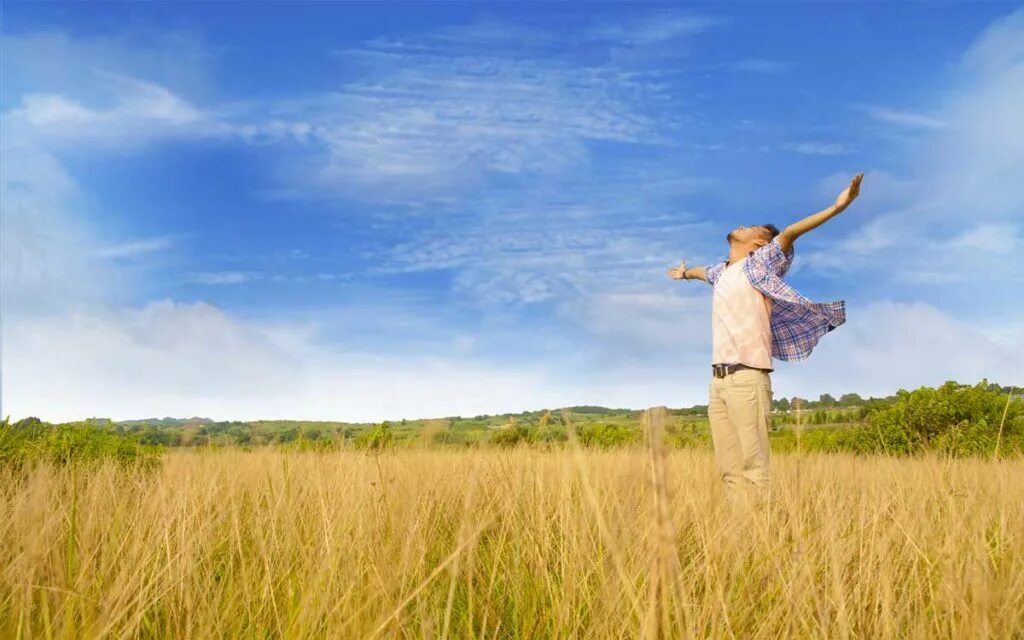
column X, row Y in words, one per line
column 511, row 543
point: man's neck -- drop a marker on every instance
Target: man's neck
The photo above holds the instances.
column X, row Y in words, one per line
column 738, row 251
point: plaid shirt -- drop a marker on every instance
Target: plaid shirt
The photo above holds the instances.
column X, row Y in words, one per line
column 797, row 323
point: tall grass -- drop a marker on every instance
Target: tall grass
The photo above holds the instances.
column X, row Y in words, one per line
column 508, row 544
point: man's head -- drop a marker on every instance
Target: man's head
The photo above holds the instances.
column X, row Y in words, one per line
column 756, row 235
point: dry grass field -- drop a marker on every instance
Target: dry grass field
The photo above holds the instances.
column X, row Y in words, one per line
column 521, row 543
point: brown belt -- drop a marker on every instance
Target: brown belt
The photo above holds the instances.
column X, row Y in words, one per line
column 722, row 370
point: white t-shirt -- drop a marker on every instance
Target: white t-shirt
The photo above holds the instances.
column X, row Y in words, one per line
column 740, row 321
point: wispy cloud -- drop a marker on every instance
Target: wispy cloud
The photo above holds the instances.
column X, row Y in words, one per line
column 999, row 47
column 224, row 277
column 1000, row 239
column 428, row 113
column 548, row 254
column 137, row 248
column 976, row 254
column 818, row 148
column 430, row 118
column 142, row 111
column 438, row 111
column 761, row 65
column 124, row 112
column 955, row 209
column 902, row 117
column 654, row 28
column 958, row 203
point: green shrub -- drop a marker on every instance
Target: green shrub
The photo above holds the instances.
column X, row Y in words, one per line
column 31, row 440
column 550, row 434
column 695, row 434
column 453, row 438
column 319, row 442
column 510, row 436
column 375, row 439
column 955, row 419
column 608, row 435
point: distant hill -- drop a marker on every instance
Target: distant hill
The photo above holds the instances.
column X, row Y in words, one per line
column 163, row 422
column 584, row 412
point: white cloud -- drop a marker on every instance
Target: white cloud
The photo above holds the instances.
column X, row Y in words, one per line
column 975, row 164
column 952, row 216
column 96, row 362
column 174, row 359
column 653, row 324
column 47, row 258
column 886, row 346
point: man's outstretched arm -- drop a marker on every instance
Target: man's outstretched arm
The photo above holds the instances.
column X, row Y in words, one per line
column 797, row 229
column 682, row 272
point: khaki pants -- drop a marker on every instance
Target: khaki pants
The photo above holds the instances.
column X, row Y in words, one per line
column 738, row 409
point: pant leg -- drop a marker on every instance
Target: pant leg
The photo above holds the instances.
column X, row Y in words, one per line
column 728, row 453
column 748, row 398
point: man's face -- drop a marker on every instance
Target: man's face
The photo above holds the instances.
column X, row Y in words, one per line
column 753, row 234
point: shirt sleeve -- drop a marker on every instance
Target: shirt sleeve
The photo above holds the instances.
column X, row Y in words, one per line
column 772, row 258
column 712, row 272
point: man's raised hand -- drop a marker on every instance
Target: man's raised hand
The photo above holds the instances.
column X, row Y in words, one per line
column 813, row 221
column 676, row 273
column 850, row 193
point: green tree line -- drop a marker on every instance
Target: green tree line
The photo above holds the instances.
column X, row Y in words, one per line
column 954, row 419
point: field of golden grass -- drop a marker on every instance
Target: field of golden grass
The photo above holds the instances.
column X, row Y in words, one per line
column 510, row 544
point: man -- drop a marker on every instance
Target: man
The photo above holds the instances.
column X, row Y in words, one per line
column 756, row 316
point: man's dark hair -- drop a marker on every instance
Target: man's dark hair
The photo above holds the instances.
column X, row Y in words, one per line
column 772, row 229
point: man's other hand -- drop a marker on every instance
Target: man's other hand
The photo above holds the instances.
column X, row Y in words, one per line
column 676, row 273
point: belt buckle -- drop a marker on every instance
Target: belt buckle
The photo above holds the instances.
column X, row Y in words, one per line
column 718, row 370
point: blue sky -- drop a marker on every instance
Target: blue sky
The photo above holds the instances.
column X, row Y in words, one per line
column 335, row 210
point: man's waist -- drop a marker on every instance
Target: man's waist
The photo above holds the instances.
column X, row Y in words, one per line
column 722, row 370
